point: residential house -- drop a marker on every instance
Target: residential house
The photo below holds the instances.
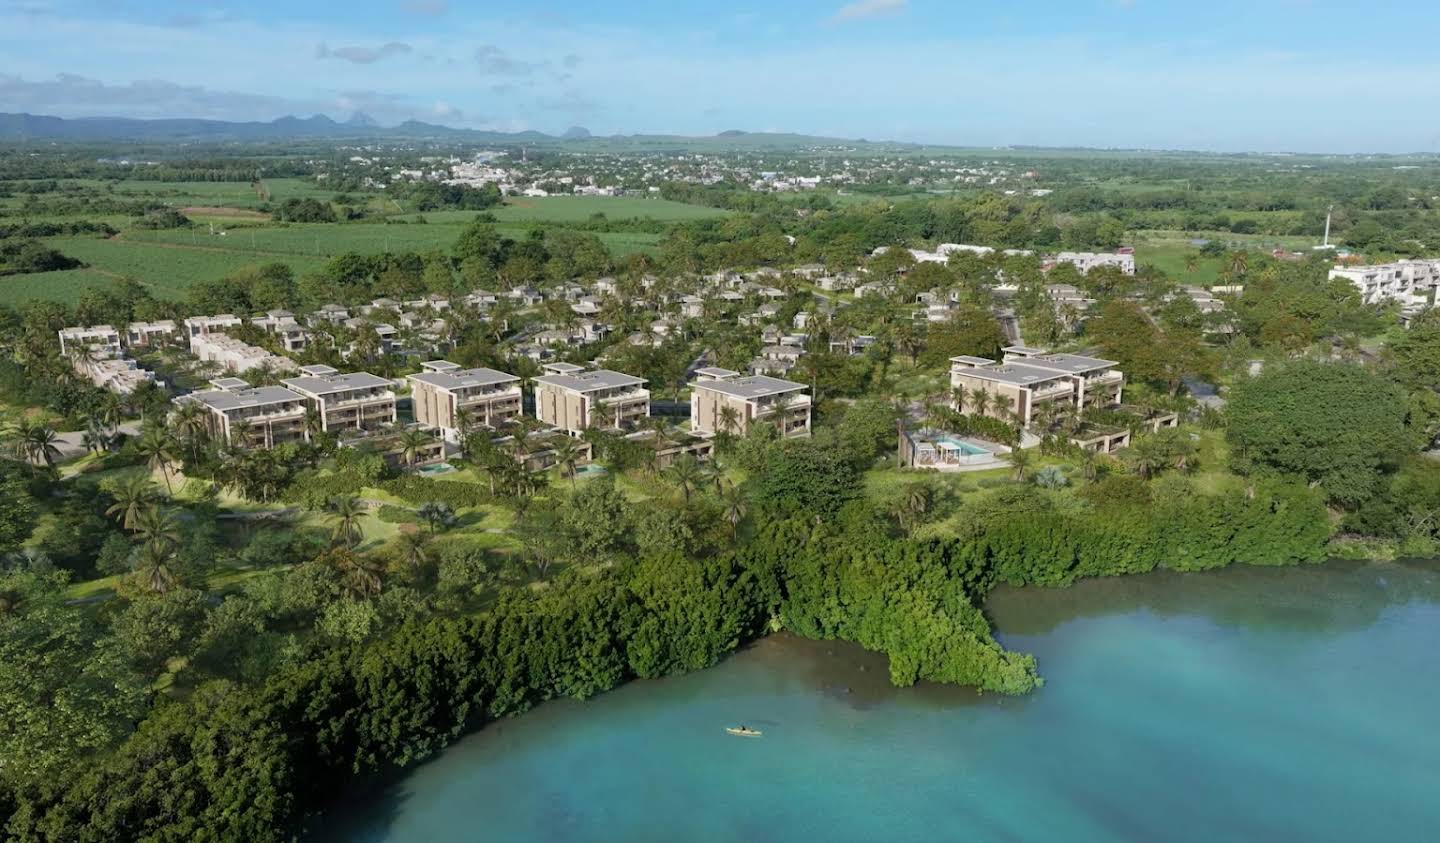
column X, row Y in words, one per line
column 722, row 400
column 199, row 326
column 99, row 340
column 236, row 356
column 150, row 333
column 282, row 324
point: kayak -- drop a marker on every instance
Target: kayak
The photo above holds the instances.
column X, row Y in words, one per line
column 744, row 732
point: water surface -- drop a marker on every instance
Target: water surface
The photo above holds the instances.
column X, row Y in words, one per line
column 1246, row 704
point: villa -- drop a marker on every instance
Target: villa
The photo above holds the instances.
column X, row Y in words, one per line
column 98, row 339
column 444, row 389
column 354, row 402
column 751, row 399
column 234, row 355
column 569, row 397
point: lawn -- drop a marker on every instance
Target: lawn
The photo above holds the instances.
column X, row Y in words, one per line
column 1169, row 251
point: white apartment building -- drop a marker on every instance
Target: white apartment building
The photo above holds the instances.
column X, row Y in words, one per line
column 358, row 401
column 1086, row 261
column 101, row 340
column 570, row 397
column 150, row 333
column 751, row 399
column 251, row 417
column 198, row 326
column 439, row 393
column 1409, row 282
column 234, row 355
column 282, row 323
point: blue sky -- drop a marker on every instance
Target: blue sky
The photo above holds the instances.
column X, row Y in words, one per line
column 1304, row 75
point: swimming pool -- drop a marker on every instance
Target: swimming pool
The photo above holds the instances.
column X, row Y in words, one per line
column 963, row 447
column 437, row 468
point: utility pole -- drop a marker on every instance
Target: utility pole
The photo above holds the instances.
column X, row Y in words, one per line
column 1328, row 212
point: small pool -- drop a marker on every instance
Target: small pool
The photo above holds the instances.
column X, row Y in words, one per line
column 591, row 470
column 437, row 468
column 963, row 447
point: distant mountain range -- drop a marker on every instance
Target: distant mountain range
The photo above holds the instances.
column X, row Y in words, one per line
column 36, row 127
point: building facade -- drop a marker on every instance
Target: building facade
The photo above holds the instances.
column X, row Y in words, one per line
column 722, row 400
column 356, row 402
column 439, row 393
column 1028, row 378
column 243, row 416
column 574, row 398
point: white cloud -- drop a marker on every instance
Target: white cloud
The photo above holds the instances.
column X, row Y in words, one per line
column 362, row 55
column 869, row 9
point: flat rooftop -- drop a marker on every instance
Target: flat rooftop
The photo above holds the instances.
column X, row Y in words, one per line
column 1071, row 363
column 330, row 384
column 465, row 378
column 972, row 360
column 225, row 400
column 750, row 386
column 591, row 381
column 1015, row 374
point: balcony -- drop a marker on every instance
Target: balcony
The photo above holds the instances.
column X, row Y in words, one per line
column 622, row 396
column 1054, row 390
column 1104, row 378
column 471, row 399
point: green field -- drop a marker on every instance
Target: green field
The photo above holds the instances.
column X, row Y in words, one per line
column 66, row 286
column 167, row 270
column 218, row 194
column 321, row 240
column 1169, row 251
column 562, row 209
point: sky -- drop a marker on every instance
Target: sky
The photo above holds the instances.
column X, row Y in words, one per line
column 1225, row 75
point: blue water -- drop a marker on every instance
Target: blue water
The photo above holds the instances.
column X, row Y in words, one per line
column 1241, row 705
column 963, row 447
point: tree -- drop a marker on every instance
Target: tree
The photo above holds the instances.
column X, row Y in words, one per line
column 414, row 551
column 436, row 514
column 66, row 693
column 567, row 456
column 36, row 443
column 729, row 418
column 413, row 443
column 348, row 513
column 132, row 497
column 1020, row 460
column 360, row 573
column 734, row 505
column 159, row 529
column 158, row 448
column 684, row 472
column 1335, row 425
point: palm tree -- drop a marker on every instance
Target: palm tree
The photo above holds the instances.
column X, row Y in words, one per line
column 1192, row 263
column 602, row 416
column 158, row 528
column 240, row 434
column 314, row 423
column 979, row 401
column 158, row 449
column 37, row 443
column 359, row 572
column 1020, row 460
column 412, row 444
column 567, row 456
column 464, row 420
column 1239, row 262
column 96, row 438
column 1089, row 465
column 348, row 512
column 729, row 418
column 153, row 569
column 684, row 472
column 414, row 550
column 436, row 514
column 1147, row 455
column 782, row 403
column 132, row 498
column 732, row 500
